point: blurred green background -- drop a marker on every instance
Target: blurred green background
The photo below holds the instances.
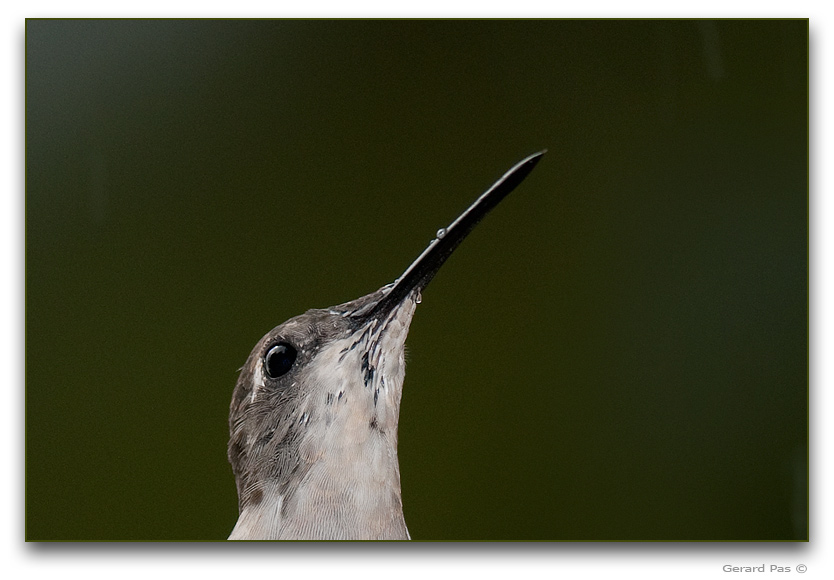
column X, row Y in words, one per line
column 618, row 352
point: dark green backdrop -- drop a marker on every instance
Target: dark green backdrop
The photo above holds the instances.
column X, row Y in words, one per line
column 619, row 352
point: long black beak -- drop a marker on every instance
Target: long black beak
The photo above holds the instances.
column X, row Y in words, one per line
column 418, row 275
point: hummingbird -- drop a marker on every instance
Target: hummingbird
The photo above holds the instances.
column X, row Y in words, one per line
column 314, row 414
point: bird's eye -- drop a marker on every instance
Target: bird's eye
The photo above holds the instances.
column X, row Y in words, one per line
column 279, row 360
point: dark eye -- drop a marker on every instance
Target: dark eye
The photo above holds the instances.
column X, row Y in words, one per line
column 279, row 360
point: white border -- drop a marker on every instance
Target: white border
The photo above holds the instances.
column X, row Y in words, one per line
column 209, row 561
